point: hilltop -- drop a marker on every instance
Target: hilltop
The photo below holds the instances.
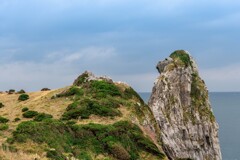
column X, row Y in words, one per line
column 95, row 118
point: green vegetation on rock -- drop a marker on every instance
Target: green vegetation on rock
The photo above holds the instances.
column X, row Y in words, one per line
column 182, row 56
column 199, row 97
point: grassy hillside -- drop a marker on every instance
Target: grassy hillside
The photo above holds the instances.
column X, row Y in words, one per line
column 93, row 119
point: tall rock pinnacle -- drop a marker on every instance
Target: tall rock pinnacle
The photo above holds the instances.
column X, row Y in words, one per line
column 181, row 107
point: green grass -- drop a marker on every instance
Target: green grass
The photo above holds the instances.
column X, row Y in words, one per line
column 120, row 139
column 199, row 97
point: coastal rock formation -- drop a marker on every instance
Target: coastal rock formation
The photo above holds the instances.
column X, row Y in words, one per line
column 181, row 107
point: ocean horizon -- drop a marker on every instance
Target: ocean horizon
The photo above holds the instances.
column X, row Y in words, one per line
column 226, row 108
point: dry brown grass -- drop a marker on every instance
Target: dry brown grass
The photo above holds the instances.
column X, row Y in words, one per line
column 39, row 101
column 7, row 155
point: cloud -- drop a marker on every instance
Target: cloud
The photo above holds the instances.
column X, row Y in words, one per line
column 89, row 55
column 57, row 70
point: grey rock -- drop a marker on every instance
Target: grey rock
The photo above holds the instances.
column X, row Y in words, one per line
column 182, row 109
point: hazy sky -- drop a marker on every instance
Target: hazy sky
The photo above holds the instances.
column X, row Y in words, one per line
column 48, row 43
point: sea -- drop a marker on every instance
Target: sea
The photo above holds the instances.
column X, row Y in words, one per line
column 226, row 108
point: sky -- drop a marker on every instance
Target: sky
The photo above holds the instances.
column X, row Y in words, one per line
column 48, row 43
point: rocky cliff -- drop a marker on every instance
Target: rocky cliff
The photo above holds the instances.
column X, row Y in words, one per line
column 181, row 107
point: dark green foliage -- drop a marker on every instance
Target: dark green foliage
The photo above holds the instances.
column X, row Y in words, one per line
column 122, row 138
column 1, row 105
column 104, row 88
column 3, row 127
column 21, row 91
column 81, row 79
column 71, row 92
column 17, row 119
column 183, row 56
column 30, row 114
column 45, row 89
column 3, row 120
column 25, row 109
column 23, row 97
column 11, row 91
column 129, row 93
column 83, row 155
column 42, row 116
column 84, row 108
column 52, row 154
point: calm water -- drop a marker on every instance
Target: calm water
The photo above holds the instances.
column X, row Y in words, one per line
column 226, row 107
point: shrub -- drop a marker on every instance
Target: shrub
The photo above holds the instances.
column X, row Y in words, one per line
column 3, row 120
column 1, row 105
column 86, row 107
column 52, row 154
column 23, row 97
column 45, row 89
column 83, row 155
column 71, row 92
column 81, row 79
column 103, row 88
column 21, row 91
column 129, row 93
column 11, row 91
column 119, row 152
column 42, row 116
column 17, row 119
column 3, row 127
column 30, row 114
column 25, row 109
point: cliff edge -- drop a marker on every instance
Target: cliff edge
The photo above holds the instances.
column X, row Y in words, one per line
column 182, row 109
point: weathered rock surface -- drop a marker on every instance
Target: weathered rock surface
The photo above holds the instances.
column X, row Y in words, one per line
column 181, row 107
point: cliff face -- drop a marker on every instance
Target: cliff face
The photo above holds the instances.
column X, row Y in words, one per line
column 181, row 107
